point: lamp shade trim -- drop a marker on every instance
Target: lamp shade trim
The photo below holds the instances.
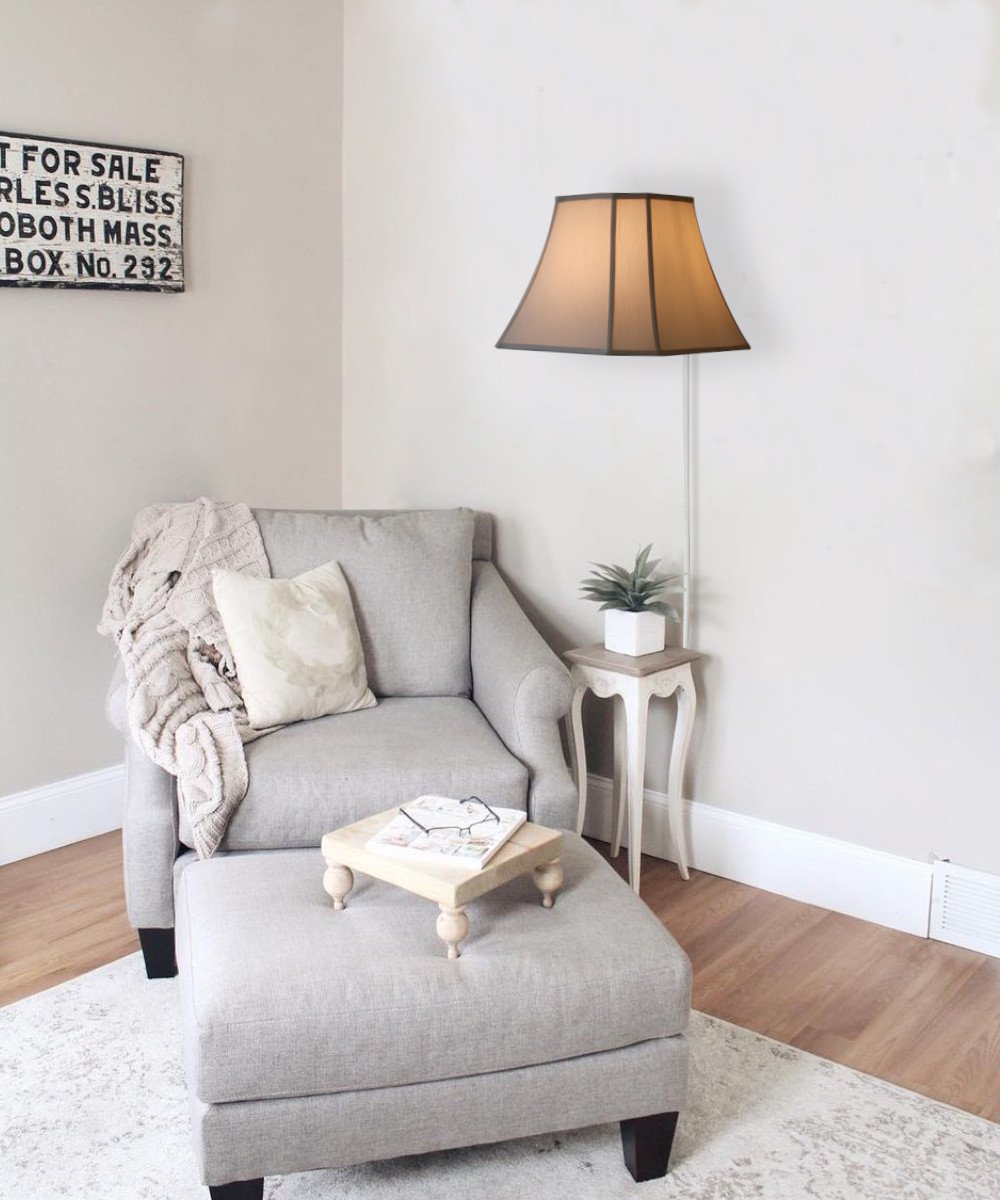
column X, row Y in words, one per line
column 623, row 274
column 625, row 196
column 622, row 353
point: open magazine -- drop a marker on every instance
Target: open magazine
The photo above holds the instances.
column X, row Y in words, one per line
column 438, row 829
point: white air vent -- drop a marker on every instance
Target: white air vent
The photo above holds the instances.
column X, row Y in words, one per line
column 965, row 908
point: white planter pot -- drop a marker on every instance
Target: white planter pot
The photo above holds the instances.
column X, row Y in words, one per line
column 634, row 633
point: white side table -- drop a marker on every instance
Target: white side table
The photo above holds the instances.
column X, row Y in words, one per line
column 631, row 682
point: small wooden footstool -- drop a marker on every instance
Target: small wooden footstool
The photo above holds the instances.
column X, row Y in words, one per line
column 533, row 848
column 317, row 1039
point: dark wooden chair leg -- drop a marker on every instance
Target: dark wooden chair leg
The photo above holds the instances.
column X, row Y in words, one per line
column 646, row 1142
column 158, row 953
column 245, row 1189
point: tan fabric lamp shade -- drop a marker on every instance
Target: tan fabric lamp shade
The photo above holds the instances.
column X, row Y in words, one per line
column 624, row 274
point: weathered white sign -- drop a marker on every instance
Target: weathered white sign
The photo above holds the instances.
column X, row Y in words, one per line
column 75, row 215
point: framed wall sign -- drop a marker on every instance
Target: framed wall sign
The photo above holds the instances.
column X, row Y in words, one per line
column 85, row 215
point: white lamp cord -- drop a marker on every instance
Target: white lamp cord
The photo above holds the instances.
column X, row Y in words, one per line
column 686, row 610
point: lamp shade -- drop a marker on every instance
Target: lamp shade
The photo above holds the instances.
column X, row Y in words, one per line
column 623, row 273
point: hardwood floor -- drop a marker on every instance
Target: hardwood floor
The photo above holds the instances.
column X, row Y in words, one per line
column 61, row 914
column 916, row 1012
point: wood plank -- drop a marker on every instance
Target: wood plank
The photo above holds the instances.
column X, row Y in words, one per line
column 449, row 883
column 905, row 1028
column 61, row 914
column 627, row 664
column 956, row 1055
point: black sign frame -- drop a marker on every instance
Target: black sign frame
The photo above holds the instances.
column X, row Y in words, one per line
column 174, row 287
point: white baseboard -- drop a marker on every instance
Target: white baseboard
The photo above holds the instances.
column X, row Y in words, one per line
column 841, row 876
column 56, row 814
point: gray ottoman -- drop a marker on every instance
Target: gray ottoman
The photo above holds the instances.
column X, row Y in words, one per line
column 319, row 1039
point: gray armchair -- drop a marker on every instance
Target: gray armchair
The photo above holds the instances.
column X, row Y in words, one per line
column 487, row 722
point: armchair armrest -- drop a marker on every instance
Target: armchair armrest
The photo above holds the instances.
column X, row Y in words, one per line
column 150, row 829
column 149, row 840
column 523, row 690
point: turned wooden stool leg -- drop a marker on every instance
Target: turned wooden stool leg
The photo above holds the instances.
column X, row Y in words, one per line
column 452, row 928
column 338, row 881
column 549, row 878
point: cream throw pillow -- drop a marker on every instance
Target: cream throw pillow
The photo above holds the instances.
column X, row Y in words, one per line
column 296, row 644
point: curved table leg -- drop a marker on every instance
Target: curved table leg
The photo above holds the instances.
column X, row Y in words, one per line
column 578, row 753
column 636, row 704
column 687, row 700
column 619, row 797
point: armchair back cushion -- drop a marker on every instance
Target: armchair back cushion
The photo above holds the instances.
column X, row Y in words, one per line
column 410, row 576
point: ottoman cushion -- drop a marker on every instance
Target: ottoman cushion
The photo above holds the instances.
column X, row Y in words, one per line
column 285, row 997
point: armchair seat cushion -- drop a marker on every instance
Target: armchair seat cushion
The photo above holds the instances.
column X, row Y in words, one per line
column 309, row 778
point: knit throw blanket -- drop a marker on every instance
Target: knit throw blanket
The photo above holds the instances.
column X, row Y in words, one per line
column 184, row 705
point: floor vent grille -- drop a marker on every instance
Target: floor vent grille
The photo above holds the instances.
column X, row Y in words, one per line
column 965, row 908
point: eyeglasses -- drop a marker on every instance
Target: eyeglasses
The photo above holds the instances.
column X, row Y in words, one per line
column 460, row 830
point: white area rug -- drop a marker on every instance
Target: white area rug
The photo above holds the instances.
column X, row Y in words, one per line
column 92, row 1105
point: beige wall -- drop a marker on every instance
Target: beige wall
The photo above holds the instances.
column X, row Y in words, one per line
column 843, row 159
column 112, row 401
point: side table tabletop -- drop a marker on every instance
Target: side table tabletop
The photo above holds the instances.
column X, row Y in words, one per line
column 630, row 682
column 531, row 848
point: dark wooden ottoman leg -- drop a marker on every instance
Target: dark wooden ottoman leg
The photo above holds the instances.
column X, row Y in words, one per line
column 646, row 1142
column 246, row 1189
column 158, row 953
